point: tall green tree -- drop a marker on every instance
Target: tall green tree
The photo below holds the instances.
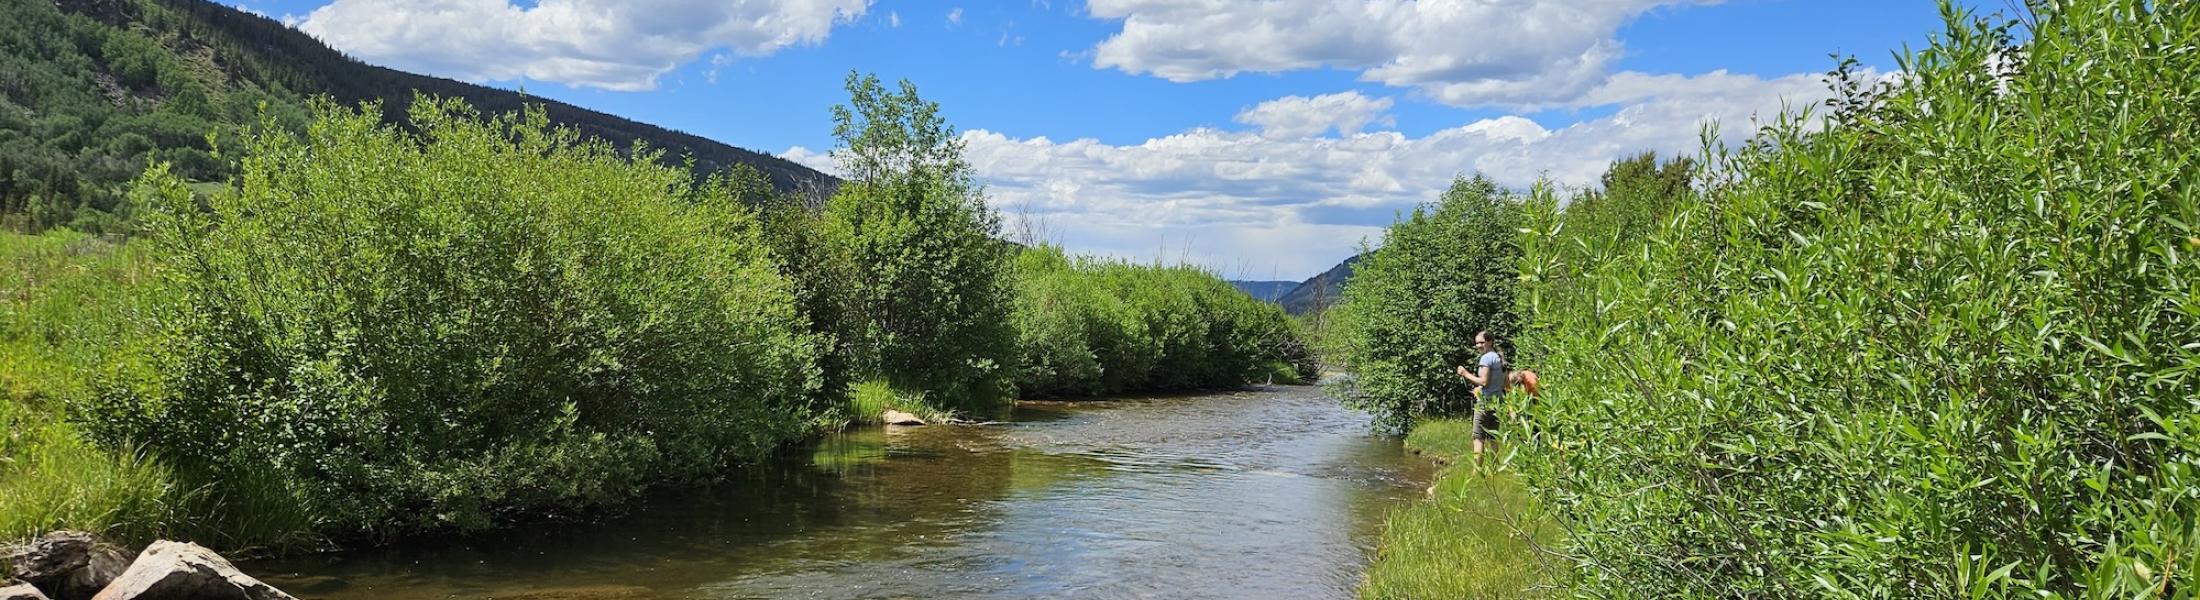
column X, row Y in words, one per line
column 933, row 284
column 1412, row 309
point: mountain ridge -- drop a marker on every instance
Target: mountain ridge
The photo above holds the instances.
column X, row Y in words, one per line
column 358, row 81
column 1321, row 291
column 1265, row 291
column 1301, row 297
column 95, row 90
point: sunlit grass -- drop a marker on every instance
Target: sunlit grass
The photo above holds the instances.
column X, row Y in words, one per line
column 1477, row 535
column 50, row 478
column 62, row 298
column 869, row 400
column 1447, row 440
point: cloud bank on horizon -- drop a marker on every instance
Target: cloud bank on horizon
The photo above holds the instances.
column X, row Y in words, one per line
column 1294, row 185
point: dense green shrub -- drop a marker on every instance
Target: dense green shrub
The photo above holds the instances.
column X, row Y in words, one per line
column 932, row 283
column 1411, row 311
column 1091, row 327
column 1942, row 348
column 384, row 328
column 1064, row 322
column 822, row 275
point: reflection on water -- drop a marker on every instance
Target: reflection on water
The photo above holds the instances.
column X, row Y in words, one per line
column 1276, row 493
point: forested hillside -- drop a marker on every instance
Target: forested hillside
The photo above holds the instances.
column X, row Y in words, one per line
column 91, row 91
column 1319, row 292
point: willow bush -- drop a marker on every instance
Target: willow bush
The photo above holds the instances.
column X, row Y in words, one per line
column 1444, row 272
column 824, row 280
column 1090, row 326
column 1943, row 347
column 386, row 328
column 932, row 282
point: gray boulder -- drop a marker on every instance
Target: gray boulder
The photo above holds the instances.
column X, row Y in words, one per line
column 104, row 563
column 46, row 561
column 180, row 571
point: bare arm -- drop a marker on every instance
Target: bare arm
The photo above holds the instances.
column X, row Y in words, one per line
column 1480, row 376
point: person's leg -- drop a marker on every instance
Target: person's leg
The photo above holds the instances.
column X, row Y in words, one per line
column 1485, row 428
column 1483, row 422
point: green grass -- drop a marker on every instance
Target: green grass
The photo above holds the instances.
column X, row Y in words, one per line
column 1479, row 534
column 64, row 297
column 869, row 400
column 1446, row 440
column 53, row 479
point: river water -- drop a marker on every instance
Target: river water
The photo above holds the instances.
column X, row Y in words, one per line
column 1269, row 493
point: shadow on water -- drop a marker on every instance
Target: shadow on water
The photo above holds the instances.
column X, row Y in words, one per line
column 1271, row 493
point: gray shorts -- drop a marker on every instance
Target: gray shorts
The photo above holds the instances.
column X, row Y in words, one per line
column 1485, row 416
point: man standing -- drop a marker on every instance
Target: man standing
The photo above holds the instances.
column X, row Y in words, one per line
column 1489, row 374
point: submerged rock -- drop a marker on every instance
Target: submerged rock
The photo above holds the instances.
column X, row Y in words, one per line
column 17, row 590
column 181, row 570
column 316, row 585
column 895, row 417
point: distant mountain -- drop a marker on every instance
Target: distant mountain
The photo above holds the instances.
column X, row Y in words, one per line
column 1265, row 291
column 1321, row 291
column 91, row 90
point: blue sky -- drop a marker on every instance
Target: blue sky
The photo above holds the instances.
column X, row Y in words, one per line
column 1263, row 139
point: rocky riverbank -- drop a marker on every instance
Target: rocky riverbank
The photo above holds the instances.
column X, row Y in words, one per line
column 72, row 565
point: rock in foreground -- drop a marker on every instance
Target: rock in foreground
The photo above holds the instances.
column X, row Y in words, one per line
column 45, row 562
column 175, row 570
column 105, row 563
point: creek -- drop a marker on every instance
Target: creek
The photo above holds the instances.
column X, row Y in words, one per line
column 1273, row 492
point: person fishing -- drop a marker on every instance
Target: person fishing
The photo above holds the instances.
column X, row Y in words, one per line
column 1491, row 380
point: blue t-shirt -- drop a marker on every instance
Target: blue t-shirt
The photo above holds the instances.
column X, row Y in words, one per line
column 1496, row 383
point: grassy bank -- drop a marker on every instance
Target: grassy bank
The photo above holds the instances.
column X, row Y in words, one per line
column 1480, row 534
column 65, row 304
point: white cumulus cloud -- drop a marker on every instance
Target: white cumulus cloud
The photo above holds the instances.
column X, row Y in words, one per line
column 1461, row 52
column 1298, row 116
column 1260, row 204
column 612, row 44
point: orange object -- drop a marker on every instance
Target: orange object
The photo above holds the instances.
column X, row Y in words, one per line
column 1527, row 380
